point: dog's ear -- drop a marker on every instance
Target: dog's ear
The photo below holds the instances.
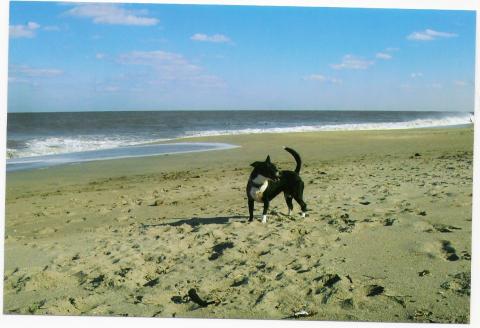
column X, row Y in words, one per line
column 268, row 159
column 255, row 164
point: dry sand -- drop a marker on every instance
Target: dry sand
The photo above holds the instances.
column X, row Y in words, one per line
column 387, row 237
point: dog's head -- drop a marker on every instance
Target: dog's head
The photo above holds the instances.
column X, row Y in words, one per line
column 267, row 169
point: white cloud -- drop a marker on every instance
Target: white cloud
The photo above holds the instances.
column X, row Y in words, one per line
column 166, row 61
column 392, row 49
column 111, row 88
column 112, row 14
column 31, row 75
column 429, row 35
column 434, row 85
column 215, row 38
column 23, row 31
column 460, row 83
column 416, row 75
column 322, row 78
column 353, row 62
column 27, row 71
column 14, row 79
column 170, row 67
column 100, row 56
column 51, row 28
column 384, row 56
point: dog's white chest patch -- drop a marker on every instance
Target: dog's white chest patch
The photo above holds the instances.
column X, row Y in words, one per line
column 257, row 192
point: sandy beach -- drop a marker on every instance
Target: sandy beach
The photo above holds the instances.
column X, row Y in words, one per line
column 387, row 237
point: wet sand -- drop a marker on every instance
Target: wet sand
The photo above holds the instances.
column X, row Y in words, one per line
column 387, row 237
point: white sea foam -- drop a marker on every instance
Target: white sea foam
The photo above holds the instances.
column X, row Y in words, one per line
column 61, row 145
column 418, row 123
column 40, row 162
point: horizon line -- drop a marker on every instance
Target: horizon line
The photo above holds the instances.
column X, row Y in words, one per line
column 242, row 110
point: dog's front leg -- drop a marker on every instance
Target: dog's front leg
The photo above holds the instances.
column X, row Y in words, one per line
column 266, row 203
column 251, row 204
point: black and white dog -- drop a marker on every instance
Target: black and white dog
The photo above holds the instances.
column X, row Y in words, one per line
column 266, row 182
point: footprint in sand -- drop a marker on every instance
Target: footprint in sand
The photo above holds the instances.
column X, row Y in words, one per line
column 219, row 249
column 32, row 309
column 97, row 281
column 46, row 231
column 152, row 282
column 389, row 221
column 445, row 228
column 466, row 255
column 458, row 283
column 374, row 290
column 449, row 251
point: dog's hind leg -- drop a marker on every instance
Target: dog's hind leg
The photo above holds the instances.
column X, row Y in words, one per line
column 302, row 204
column 299, row 199
column 251, row 204
column 288, row 200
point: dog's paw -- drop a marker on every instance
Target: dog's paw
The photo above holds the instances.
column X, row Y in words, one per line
column 264, row 219
column 304, row 214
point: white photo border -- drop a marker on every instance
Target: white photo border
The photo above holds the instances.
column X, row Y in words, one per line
column 82, row 322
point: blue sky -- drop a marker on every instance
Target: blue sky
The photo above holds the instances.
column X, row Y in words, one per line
column 83, row 57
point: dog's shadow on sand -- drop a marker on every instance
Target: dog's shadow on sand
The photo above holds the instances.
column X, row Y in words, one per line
column 196, row 221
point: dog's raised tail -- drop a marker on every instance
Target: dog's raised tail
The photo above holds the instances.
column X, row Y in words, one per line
column 297, row 158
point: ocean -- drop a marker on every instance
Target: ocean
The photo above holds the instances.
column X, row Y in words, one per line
column 82, row 136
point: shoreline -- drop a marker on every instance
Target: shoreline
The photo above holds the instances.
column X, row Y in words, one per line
column 48, row 138
column 136, row 151
column 387, row 237
column 74, row 158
